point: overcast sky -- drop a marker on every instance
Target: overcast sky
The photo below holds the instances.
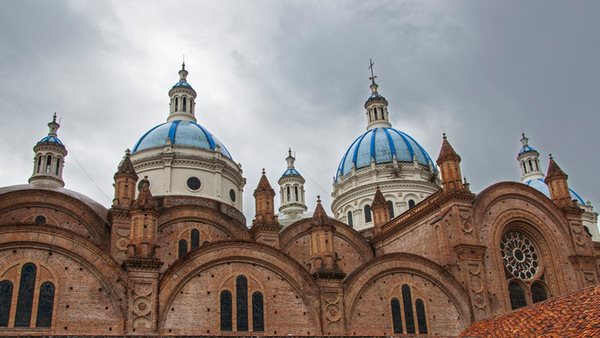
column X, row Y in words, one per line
column 277, row 74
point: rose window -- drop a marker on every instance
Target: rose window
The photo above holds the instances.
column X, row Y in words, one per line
column 519, row 255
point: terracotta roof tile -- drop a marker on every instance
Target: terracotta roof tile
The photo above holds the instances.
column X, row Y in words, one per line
column 574, row 315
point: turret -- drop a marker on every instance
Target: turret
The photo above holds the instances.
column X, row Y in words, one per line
column 380, row 210
column 125, row 180
column 323, row 258
column 265, row 227
column 144, row 223
column 49, row 159
column 376, row 105
column 529, row 162
column 449, row 163
column 182, row 96
column 291, row 192
column 556, row 179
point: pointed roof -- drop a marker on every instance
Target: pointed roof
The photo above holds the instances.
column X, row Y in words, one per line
column 263, row 184
column 554, row 171
column 379, row 199
column 447, row 152
column 320, row 216
column 126, row 166
column 144, row 201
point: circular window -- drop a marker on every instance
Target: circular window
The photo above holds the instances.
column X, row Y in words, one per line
column 193, row 183
column 40, row 220
column 232, row 195
column 519, row 255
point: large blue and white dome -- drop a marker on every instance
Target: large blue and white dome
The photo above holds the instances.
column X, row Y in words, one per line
column 180, row 133
column 381, row 145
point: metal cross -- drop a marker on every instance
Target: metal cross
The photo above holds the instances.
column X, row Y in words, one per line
column 371, row 64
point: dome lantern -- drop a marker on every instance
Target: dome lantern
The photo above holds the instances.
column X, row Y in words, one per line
column 529, row 161
column 376, row 105
column 49, row 157
column 291, row 191
column 182, row 99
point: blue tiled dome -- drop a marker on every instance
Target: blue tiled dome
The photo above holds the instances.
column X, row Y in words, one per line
column 527, row 149
column 181, row 133
column 381, row 144
column 291, row 172
column 541, row 186
column 51, row 139
column 182, row 83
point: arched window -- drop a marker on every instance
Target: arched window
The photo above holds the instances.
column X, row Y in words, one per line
column 538, row 292
column 57, row 165
column 530, row 166
column 39, row 164
column 517, row 295
column 421, row 318
column 375, row 110
column 368, row 217
column 296, row 192
column 25, row 298
column 391, row 208
column 182, row 248
column 258, row 321
column 411, row 204
column 195, row 240
column 537, row 165
column 350, row 221
column 176, row 103
column 226, row 313
column 524, row 167
column 45, row 305
column 184, row 103
column 48, row 164
column 6, row 290
column 396, row 316
column 289, row 196
column 409, row 319
column 241, row 294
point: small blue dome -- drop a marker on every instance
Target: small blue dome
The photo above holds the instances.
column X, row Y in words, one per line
column 51, row 139
column 291, row 172
column 527, row 149
column 182, row 83
column 381, row 144
column 180, row 133
column 540, row 185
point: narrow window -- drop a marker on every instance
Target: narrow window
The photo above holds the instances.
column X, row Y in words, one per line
column 6, row 290
column 391, row 208
column 45, row 305
column 176, row 104
column 195, row 240
column 241, row 294
column 375, row 110
column 184, row 104
column 517, row 295
column 296, row 193
column 39, row 164
column 396, row 317
column 530, row 166
column 368, row 217
column 524, row 167
column 289, row 198
column 25, row 297
column 57, row 165
column 258, row 322
column 421, row 318
column 409, row 319
column 350, row 222
column 182, row 248
column 411, row 204
column 537, row 165
column 226, row 313
column 48, row 164
column 538, row 292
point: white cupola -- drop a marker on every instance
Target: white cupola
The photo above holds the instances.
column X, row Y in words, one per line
column 291, row 183
column 49, row 158
column 529, row 161
column 182, row 95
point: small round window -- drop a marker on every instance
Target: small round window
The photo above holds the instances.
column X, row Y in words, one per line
column 232, row 195
column 193, row 183
column 40, row 220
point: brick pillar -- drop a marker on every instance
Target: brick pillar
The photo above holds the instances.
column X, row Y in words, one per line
column 449, row 163
column 332, row 306
column 265, row 226
column 119, row 214
column 472, row 274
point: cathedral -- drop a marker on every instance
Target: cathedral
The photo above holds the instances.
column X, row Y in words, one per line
column 407, row 247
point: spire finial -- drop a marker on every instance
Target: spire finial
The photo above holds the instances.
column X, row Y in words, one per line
column 183, row 63
column 551, row 156
column 319, row 199
column 444, row 136
column 373, row 76
column 524, row 140
column 54, row 117
column 290, row 152
column 263, row 171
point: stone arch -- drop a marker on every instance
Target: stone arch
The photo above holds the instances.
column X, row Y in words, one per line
column 510, row 206
column 90, row 216
column 405, row 264
column 299, row 230
column 22, row 240
column 252, row 254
